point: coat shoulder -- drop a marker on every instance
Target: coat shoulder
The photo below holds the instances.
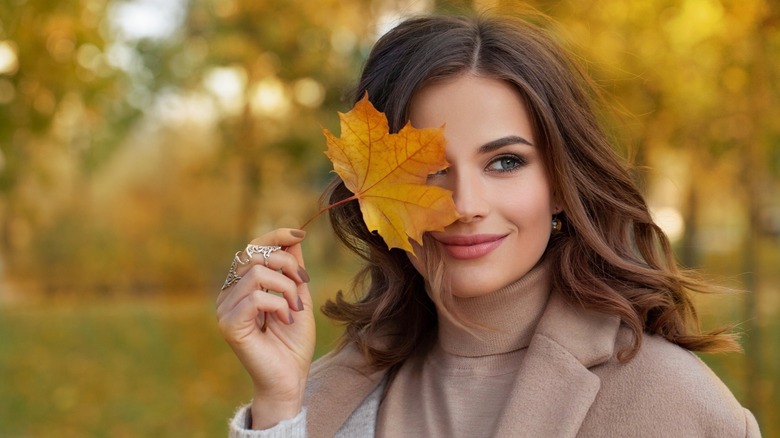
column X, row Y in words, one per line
column 338, row 384
column 670, row 389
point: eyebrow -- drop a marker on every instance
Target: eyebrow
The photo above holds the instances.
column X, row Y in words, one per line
column 501, row 142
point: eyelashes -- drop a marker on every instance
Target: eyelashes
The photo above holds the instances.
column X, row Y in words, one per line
column 439, row 173
column 505, row 163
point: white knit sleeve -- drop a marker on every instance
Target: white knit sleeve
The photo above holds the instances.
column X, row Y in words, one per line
column 292, row 428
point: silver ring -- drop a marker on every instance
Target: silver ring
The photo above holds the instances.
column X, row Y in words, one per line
column 260, row 249
column 232, row 277
column 238, row 258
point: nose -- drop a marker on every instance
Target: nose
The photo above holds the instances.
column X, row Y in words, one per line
column 468, row 192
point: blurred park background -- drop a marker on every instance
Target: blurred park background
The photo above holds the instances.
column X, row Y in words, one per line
column 143, row 142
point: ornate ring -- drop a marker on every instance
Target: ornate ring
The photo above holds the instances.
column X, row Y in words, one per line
column 260, row 249
column 238, row 258
column 232, row 277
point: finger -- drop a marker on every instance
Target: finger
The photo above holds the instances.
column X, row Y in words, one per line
column 304, row 298
column 276, row 260
column 283, row 237
column 262, row 272
column 260, row 277
column 289, row 238
column 258, row 302
column 242, row 320
column 296, row 251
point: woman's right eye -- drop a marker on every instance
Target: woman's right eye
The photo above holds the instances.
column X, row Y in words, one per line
column 439, row 173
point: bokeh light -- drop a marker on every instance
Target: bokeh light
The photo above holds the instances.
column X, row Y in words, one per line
column 9, row 62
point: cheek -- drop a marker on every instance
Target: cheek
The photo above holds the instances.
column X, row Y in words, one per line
column 531, row 208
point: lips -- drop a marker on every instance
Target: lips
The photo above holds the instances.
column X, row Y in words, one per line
column 471, row 246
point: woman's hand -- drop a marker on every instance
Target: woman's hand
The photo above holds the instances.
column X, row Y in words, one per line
column 273, row 336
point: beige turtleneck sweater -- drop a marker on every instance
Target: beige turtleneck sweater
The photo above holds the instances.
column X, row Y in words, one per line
column 459, row 387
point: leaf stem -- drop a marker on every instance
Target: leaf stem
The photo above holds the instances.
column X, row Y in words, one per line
column 264, row 327
column 326, row 208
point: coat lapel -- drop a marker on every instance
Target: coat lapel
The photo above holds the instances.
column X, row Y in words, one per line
column 554, row 388
column 338, row 383
column 551, row 396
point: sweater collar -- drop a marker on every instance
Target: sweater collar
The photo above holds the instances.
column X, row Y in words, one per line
column 499, row 322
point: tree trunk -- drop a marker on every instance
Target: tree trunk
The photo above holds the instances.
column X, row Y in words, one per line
column 248, row 143
column 688, row 249
column 5, row 235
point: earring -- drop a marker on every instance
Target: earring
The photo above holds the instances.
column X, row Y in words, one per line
column 556, row 225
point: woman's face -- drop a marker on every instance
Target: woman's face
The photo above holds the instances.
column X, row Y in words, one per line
column 498, row 180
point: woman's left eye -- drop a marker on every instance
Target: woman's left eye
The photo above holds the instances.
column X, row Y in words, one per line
column 506, row 163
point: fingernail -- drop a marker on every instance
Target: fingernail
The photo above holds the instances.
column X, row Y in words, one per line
column 300, row 304
column 303, row 274
column 290, row 318
column 298, row 233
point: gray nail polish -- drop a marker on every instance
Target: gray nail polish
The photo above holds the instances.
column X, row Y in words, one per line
column 303, row 274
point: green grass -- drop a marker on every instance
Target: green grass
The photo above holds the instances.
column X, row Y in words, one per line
column 160, row 368
column 119, row 369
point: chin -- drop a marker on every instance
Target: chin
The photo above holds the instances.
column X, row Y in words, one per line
column 473, row 287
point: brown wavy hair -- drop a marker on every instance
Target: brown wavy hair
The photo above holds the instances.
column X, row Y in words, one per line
column 610, row 256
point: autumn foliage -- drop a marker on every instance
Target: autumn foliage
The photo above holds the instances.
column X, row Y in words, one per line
column 388, row 173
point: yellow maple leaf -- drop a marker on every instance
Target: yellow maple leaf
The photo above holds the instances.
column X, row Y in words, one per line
column 387, row 173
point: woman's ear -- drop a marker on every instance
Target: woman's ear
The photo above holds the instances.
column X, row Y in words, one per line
column 556, row 203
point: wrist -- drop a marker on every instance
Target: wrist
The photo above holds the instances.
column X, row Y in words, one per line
column 266, row 413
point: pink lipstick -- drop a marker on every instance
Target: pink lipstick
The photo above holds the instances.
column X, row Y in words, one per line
column 471, row 246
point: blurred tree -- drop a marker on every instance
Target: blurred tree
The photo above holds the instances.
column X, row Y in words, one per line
column 91, row 82
column 275, row 68
column 62, row 110
column 759, row 164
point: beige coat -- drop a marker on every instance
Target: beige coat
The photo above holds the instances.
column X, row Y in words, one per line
column 570, row 384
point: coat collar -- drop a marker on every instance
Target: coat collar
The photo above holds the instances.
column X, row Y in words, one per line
column 551, row 396
column 554, row 388
column 338, row 383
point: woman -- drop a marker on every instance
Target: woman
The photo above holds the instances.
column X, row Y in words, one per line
column 551, row 307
